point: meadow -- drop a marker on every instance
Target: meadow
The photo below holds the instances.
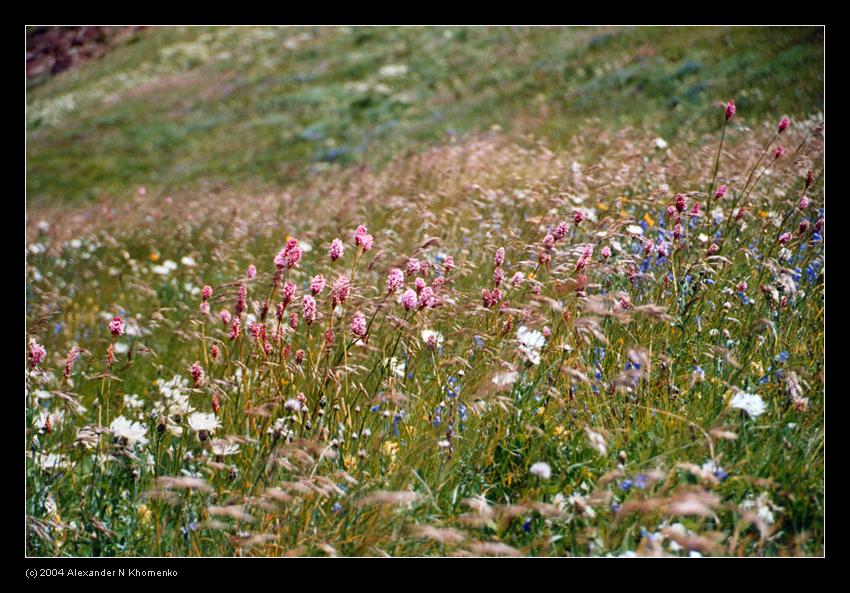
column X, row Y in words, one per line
column 428, row 292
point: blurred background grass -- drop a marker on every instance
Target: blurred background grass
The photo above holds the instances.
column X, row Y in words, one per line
column 177, row 108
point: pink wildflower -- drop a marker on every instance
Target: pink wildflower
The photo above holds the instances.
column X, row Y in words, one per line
column 359, row 233
column 606, row 252
column 308, row 309
column 804, row 202
column 498, row 276
column 197, row 374
column 713, row 249
column 242, row 300
column 499, row 257
column 680, row 202
column 37, row 353
column 721, row 191
column 288, row 293
column 116, row 326
column 73, row 354
column 358, row 325
column 336, row 249
column 317, row 284
column 299, row 356
column 578, row 216
column 426, row 298
column 419, row 284
column 804, row 226
column 225, row 316
column 412, row 266
column 515, row 281
column 214, row 351
column 783, row 124
column 234, row 328
column 206, row 293
column 778, row 152
column 730, row 110
column 341, row 290
column 549, row 240
column 252, row 272
column 293, row 321
column 408, row 299
column 784, row 238
column 561, row 231
column 585, row 258
column 394, row 280
column 449, row 264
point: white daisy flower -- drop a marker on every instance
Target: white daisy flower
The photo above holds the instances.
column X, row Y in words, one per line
column 750, row 403
column 223, row 448
column 127, row 432
column 531, row 343
column 427, row 333
column 203, row 424
column 541, row 469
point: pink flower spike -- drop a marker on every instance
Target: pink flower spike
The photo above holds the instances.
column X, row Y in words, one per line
column 426, row 298
column 499, row 257
column 721, row 191
column 804, row 202
column 578, row 216
column 37, row 353
column 606, row 252
column 713, row 249
column 408, row 299
column 308, row 309
column 730, row 110
column 358, row 325
column 367, row 242
column 242, row 300
column 288, row 293
column 336, row 249
column 394, row 280
column 784, row 238
column 680, row 202
column 317, row 284
column 413, row 266
column 359, row 234
column 206, row 293
column 116, row 326
column 778, row 153
column 197, row 374
column 449, row 265
column 419, row 284
column 225, row 316
column 252, row 272
column 783, row 124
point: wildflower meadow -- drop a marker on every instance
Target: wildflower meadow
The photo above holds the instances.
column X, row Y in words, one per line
column 542, row 332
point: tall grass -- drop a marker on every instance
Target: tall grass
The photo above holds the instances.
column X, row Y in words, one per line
column 625, row 392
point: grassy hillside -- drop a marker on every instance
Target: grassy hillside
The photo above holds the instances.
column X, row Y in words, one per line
column 268, row 105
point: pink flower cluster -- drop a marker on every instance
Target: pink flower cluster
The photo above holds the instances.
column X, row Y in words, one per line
column 197, row 374
column 395, row 280
column 289, row 256
column 358, row 325
column 37, row 353
column 363, row 239
column 116, row 326
column 336, row 249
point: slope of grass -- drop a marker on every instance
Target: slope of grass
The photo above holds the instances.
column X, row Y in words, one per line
column 183, row 106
